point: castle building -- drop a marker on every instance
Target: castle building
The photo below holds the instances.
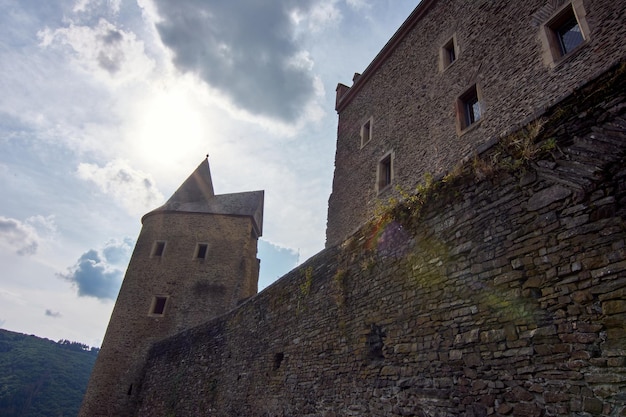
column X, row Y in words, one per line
column 496, row 286
column 456, row 77
column 195, row 259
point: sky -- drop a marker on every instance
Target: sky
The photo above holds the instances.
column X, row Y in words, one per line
column 107, row 106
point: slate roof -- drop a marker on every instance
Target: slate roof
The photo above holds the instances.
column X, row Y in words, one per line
column 196, row 195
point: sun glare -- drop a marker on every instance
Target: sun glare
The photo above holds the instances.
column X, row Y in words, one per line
column 170, row 127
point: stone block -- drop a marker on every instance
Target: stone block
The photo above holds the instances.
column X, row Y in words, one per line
column 613, row 307
column 592, row 406
column 547, row 196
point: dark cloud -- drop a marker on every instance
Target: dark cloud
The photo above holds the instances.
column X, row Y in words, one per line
column 54, row 314
column 244, row 48
column 111, row 55
column 110, row 62
column 98, row 273
column 112, row 36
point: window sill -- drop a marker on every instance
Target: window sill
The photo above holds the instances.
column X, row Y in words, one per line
column 384, row 190
column 444, row 69
column 470, row 128
column 558, row 62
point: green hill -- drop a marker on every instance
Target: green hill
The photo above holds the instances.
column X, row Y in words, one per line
column 42, row 378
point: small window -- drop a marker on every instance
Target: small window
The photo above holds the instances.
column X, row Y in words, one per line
column 158, row 305
column 201, row 250
column 448, row 53
column 158, row 248
column 569, row 35
column 565, row 32
column 469, row 108
column 385, row 172
column 366, row 132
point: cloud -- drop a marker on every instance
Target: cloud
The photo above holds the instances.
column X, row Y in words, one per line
column 53, row 314
column 134, row 190
column 83, row 6
column 358, row 4
column 104, row 51
column 118, row 253
column 246, row 49
column 26, row 236
column 99, row 273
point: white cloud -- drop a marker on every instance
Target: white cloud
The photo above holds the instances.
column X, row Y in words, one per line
column 12, row 297
column 358, row 4
column 323, row 14
column 25, row 236
column 83, row 6
column 132, row 189
column 110, row 54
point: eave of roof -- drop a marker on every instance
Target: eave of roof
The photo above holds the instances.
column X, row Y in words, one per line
column 418, row 13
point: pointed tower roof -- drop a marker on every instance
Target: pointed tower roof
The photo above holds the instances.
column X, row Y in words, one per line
column 198, row 187
column 196, row 195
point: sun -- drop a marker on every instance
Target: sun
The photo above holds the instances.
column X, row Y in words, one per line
column 170, row 126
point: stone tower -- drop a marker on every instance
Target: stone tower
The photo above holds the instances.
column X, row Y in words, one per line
column 195, row 259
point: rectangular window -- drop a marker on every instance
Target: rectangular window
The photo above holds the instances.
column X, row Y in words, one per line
column 448, row 53
column 158, row 305
column 158, row 248
column 366, row 132
column 565, row 32
column 569, row 35
column 469, row 108
column 385, row 172
column 472, row 109
column 201, row 250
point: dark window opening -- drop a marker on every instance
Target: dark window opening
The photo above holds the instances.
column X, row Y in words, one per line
column 565, row 32
column 278, row 359
column 366, row 132
column 569, row 35
column 159, row 247
column 159, row 305
column 385, row 172
column 130, row 390
column 448, row 53
column 470, row 108
column 202, row 250
column 375, row 342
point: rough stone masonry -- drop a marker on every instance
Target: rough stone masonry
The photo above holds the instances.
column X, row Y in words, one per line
column 502, row 292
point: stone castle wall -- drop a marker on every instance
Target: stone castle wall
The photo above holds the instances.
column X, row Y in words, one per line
column 411, row 100
column 500, row 290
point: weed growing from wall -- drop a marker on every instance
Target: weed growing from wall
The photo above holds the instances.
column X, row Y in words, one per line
column 339, row 287
column 305, row 287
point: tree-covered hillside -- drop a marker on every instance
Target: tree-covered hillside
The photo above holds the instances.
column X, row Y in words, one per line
column 42, row 378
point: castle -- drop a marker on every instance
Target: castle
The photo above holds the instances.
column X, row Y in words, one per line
column 195, row 258
column 476, row 247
